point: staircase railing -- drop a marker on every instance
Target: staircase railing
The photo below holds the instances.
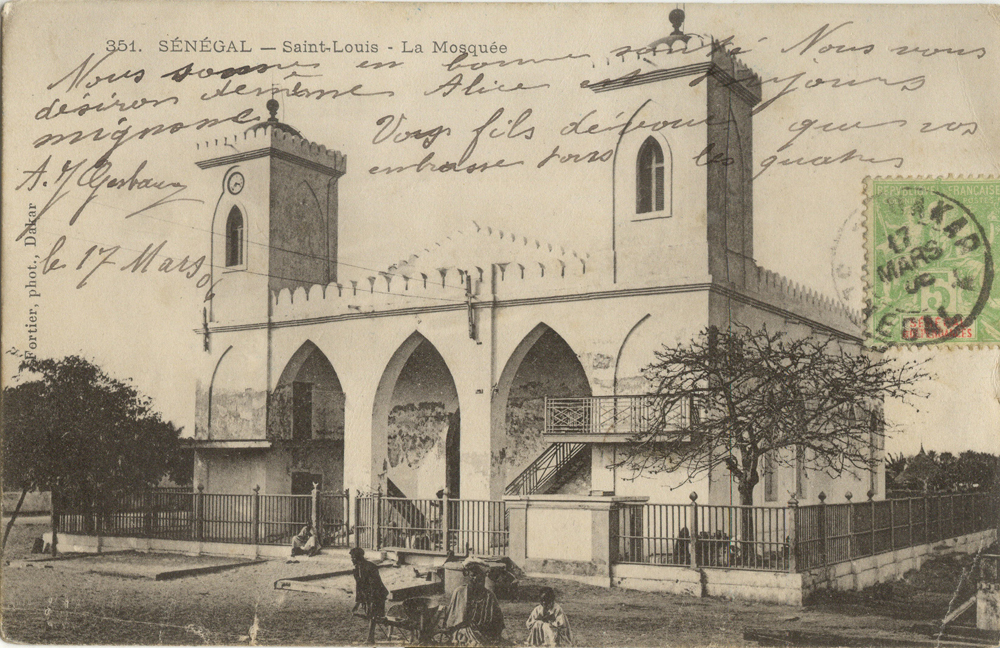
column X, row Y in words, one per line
column 541, row 471
column 624, row 415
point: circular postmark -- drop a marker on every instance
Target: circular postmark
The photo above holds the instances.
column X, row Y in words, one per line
column 930, row 261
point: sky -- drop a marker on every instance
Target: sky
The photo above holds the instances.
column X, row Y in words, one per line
column 908, row 90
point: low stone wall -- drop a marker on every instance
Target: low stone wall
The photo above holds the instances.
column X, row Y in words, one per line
column 892, row 565
column 97, row 544
column 787, row 588
column 770, row 587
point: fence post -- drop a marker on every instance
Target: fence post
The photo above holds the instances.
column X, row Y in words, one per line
column 793, row 530
column 822, row 525
column 199, row 513
column 445, row 521
column 255, row 516
column 147, row 508
column 927, row 522
column 909, row 518
column 315, row 518
column 850, row 525
column 871, row 503
column 892, row 525
column 357, row 518
column 347, row 516
column 694, row 530
column 378, row 517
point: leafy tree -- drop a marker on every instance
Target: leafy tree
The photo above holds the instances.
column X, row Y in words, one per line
column 71, row 428
column 753, row 394
column 923, row 470
column 932, row 472
column 977, row 471
column 894, row 466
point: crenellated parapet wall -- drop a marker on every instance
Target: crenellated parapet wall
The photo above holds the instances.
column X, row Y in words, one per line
column 270, row 138
column 739, row 71
column 789, row 295
column 403, row 289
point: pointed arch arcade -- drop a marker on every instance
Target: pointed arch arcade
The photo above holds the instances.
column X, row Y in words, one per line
column 416, row 423
column 543, row 364
column 308, row 401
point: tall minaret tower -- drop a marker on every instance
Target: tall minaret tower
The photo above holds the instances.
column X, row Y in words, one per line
column 275, row 219
column 682, row 171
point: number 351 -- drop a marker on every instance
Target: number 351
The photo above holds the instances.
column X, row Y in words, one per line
column 120, row 46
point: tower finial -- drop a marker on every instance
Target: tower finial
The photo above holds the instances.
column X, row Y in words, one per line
column 272, row 107
column 676, row 18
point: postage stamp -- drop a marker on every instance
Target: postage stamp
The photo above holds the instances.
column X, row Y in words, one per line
column 930, row 265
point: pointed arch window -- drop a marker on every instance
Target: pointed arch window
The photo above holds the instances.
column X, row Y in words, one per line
column 649, row 177
column 234, row 238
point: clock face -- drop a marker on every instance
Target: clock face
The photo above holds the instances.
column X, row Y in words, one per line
column 235, row 183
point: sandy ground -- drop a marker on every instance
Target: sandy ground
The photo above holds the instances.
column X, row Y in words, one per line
column 66, row 602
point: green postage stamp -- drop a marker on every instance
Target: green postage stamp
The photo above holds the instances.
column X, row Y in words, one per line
column 930, row 261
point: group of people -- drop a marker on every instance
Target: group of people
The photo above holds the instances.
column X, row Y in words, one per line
column 473, row 616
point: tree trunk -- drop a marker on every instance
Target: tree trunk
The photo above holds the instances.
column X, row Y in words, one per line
column 10, row 524
column 747, row 532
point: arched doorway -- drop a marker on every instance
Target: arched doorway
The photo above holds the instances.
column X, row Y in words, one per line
column 307, row 413
column 543, row 365
column 416, row 413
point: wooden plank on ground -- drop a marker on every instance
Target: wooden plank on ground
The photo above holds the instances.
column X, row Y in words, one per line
column 959, row 611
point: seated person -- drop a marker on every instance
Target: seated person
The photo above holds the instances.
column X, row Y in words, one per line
column 474, row 617
column 547, row 624
column 306, row 542
column 370, row 592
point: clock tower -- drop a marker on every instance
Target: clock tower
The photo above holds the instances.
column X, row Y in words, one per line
column 275, row 220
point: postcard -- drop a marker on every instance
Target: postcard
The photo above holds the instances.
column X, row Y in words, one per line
column 353, row 323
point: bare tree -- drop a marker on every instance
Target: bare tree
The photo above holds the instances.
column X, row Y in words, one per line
column 730, row 399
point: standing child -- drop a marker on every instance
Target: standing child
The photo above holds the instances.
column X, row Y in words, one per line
column 547, row 624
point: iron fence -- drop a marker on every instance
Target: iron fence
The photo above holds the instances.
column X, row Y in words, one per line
column 792, row 538
column 462, row 526
column 180, row 514
column 282, row 516
column 742, row 537
column 478, row 526
column 334, row 517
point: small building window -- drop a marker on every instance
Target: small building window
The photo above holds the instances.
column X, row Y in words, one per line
column 234, row 238
column 649, row 177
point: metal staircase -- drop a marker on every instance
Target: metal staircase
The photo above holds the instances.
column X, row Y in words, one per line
column 543, row 473
column 400, row 510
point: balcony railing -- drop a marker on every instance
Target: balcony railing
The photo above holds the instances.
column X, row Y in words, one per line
column 614, row 415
